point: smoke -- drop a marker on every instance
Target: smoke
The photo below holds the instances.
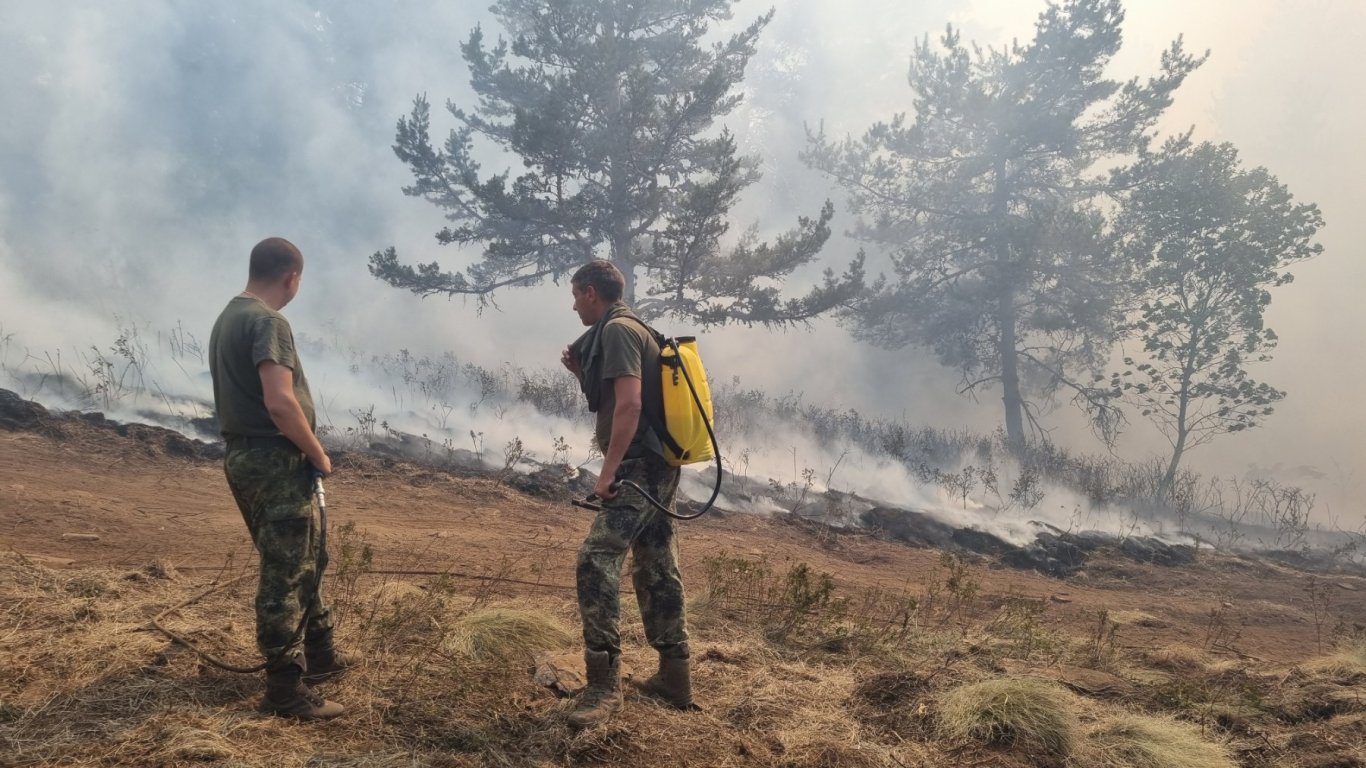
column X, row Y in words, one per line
column 147, row 147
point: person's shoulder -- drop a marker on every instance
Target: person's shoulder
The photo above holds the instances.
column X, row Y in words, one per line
column 625, row 321
column 626, row 325
column 262, row 314
column 239, row 310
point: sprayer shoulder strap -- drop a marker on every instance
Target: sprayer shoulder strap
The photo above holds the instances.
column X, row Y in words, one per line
column 659, row 338
column 652, row 382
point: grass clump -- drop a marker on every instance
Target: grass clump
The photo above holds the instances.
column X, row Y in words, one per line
column 501, row 633
column 1346, row 665
column 194, row 745
column 1020, row 713
column 1141, row 741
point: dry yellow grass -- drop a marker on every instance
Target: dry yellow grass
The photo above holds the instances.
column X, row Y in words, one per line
column 1014, row 712
column 443, row 684
column 1179, row 659
column 1140, row 741
column 506, row 633
column 1346, row 665
column 395, row 593
column 1136, row 619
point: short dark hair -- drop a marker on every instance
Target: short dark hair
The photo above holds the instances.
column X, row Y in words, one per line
column 273, row 258
column 604, row 276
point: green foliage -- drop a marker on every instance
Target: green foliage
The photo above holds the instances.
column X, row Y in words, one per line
column 351, row 556
column 611, row 107
column 800, row 603
column 955, row 596
column 1101, row 646
column 1211, row 238
column 990, row 209
column 513, row 453
column 1020, row 624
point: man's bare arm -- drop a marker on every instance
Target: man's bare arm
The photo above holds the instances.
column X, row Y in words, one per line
column 625, row 421
column 277, row 384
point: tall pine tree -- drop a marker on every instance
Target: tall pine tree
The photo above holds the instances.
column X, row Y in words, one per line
column 611, row 106
column 987, row 202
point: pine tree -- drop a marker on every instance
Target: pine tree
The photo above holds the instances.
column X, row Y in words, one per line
column 988, row 202
column 612, row 108
column 1211, row 239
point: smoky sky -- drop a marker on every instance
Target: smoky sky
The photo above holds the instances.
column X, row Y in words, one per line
column 145, row 146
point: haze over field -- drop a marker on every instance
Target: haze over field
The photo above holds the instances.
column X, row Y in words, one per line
column 145, row 147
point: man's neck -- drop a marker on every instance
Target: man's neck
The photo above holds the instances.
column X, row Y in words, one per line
column 266, row 294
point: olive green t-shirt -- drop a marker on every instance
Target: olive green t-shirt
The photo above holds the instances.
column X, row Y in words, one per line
column 246, row 334
column 624, row 343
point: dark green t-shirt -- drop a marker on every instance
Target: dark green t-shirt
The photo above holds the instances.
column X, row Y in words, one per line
column 624, row 344
column 246, row 334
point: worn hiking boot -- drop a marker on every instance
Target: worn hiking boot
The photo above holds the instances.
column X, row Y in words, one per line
column 287, row 696
column 324, row 662
column 602, row 696
column 671, row 685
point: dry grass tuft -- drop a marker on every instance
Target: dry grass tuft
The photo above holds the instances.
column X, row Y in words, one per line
column 1022, row 713
column 1346, row 666
column 1140, row 741
column 391, row 594
column 20, row 573
column 195, row 745
column 1136, row 619
column 503, row 633
column 162, row 569
column 1179, row 659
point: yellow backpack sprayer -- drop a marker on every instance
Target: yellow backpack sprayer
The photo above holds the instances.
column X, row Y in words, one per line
column 685, row 425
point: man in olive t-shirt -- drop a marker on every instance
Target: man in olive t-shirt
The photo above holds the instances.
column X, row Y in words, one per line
column 611, row 361
column 251, row 333
column 265, row 413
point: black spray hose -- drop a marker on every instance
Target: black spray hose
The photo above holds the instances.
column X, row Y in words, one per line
column 591, row 501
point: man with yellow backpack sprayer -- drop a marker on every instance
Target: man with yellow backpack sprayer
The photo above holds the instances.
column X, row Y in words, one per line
column 610, row 361
column 265, row 412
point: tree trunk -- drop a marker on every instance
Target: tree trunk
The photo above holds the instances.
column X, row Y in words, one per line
column 1010, row 375
column 619, row 180
column 1005, row 317
column 1164, row 488
column 621, row 256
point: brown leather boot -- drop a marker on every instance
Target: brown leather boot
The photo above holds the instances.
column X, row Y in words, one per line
column 671, row 685
column 287, row 696
column 602, row 696
column 323, row 660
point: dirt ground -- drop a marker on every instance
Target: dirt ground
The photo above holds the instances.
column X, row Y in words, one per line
column 62, row 487
column 105, row 526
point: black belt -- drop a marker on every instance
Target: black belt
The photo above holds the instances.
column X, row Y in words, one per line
column 241, row 442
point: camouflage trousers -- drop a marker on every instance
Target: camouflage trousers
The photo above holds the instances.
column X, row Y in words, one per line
column 629, row 522
column 274, row 492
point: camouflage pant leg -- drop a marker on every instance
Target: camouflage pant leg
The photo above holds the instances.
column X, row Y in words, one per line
column 274, row 493
column 629, row 522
